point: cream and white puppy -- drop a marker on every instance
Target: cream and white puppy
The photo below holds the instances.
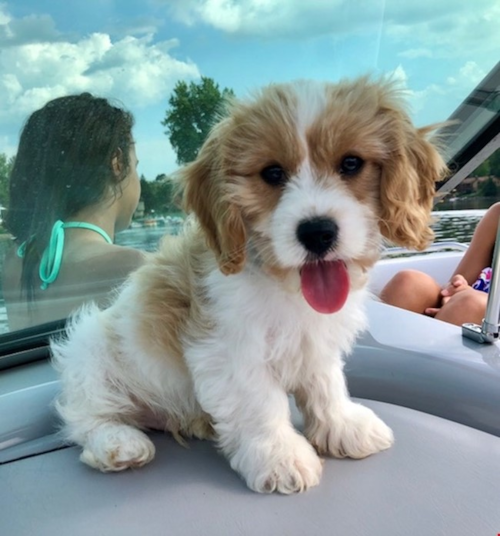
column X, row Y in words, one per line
column 262, row 296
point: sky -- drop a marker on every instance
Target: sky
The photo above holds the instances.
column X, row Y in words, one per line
column 137, row 50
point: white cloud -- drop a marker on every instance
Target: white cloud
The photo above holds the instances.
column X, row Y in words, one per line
column 269, row 18
column 472, row 73
column 446, row 28
column 225, row 15
column 5, row 18
column 464, row 29
column 468, row 76
column 437, row 101
column 135, row 70
column 399, row 74
column 29, row 29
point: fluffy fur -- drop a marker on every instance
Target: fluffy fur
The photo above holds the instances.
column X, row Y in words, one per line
column 210, row 336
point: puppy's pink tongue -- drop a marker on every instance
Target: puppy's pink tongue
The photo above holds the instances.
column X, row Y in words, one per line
column 325, row 285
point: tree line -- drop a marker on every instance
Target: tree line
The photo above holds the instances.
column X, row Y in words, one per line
column 489, row 168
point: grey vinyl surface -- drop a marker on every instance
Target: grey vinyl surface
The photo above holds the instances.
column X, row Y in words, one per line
column 440, row 478
column 439, row 392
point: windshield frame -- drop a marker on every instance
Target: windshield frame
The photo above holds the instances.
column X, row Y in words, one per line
column 464, row 149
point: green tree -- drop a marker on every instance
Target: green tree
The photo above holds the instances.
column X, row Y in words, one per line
column 488, row 188
column 491, row 166
column 194, row 108
column 483, row 170
column 494, row 162
column 5, row 169
column 146, row 194
column 157, row 196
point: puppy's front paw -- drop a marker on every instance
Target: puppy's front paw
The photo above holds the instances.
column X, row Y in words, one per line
column 288, row 466
column 356, row 433
column 116, row 447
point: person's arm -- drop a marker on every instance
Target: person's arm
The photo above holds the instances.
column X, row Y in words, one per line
column 478, row 256
column 480, row 252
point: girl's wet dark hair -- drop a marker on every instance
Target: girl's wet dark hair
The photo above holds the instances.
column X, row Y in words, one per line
column 64, row 164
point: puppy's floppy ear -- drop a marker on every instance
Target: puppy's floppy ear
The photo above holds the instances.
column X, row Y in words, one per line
column 207, row 193
column 408, row 184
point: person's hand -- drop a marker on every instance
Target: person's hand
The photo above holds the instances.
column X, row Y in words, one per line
column 456, row 284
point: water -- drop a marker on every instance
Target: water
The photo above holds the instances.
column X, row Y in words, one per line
column 456, row 218
column 145, row 238
column 450, row 225
column 456, row 225
column 465, row 203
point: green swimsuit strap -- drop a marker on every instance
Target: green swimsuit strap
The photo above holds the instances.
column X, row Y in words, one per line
column 50, row 264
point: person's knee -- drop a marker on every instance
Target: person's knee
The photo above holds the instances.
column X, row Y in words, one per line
column 412, row 290
column 411, row 279
column 411, row 282
column 471, row 300
column 466, row 306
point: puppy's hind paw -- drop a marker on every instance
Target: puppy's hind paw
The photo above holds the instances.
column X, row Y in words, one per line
column 115, row 447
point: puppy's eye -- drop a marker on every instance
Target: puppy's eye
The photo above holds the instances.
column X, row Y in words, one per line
column 351, row 165
column 274, row 175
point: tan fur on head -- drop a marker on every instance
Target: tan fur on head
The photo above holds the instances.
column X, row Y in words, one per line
column 365, row 118
column 206, row 194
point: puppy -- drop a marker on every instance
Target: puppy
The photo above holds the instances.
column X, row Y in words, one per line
column 262, row 296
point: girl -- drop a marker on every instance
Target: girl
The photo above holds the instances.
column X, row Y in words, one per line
column 73, row 186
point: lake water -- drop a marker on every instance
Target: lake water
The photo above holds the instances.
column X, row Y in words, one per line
column 452, row 223
column 456, row 219
column 456, row 225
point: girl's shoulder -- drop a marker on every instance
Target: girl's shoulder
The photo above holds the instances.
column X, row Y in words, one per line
column 105, row 261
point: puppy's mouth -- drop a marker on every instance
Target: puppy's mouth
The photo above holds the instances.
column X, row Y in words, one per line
column 325, row 285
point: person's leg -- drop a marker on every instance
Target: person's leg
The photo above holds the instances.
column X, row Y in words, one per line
column 412, row 290
column 466, row 306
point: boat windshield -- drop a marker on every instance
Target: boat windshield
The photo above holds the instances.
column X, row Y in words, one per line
column 159, row 63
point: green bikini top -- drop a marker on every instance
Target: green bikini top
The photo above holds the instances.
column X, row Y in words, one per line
column 52, row 256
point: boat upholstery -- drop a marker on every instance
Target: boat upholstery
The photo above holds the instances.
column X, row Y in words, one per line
column 439, row 478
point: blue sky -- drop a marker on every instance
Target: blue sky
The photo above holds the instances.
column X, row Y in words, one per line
column 136, row 50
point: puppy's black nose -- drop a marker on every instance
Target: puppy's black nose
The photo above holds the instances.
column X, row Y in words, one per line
column 317, row 235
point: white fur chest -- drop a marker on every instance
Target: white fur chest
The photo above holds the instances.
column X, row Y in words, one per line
column 257, row 320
